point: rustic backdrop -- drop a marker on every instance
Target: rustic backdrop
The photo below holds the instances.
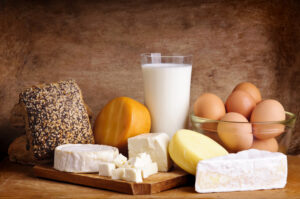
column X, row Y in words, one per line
column 98, row 44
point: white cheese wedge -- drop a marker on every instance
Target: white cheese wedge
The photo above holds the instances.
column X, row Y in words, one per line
column 120, row 160
column 155, row 144
column 83, row 158
column 247, row 170
column 105, row 168
column 118, row 173
column 133, row 175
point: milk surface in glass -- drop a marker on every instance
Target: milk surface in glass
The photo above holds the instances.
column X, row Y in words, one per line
column 167, row 95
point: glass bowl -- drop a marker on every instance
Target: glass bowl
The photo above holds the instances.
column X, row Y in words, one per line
column 281, row 130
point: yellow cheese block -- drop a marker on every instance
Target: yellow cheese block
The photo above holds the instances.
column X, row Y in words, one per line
column 119, row 120
column 188, row 147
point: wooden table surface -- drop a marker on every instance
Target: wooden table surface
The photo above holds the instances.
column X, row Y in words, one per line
column 17, row 181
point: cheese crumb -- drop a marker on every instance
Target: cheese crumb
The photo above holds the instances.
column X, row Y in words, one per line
column 120, row 160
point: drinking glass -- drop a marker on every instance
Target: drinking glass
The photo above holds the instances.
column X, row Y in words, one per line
column 167, row 81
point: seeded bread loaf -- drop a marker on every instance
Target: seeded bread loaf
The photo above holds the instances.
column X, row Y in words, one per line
column 18, row 151
column 16, row 119
column 54, row 115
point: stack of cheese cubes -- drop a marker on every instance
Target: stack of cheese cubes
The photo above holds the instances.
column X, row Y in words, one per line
column 135, row 169
column 148, row 154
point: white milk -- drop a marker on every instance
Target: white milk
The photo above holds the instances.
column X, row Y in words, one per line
column 167, row 95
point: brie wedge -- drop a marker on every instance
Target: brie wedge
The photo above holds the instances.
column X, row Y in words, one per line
column 244, row 171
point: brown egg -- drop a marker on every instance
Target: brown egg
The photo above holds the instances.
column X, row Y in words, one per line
column 267, row 145
column 209, row 106
column 240, row 102
column 267, row 111
column 250, row 89
column 235, row 136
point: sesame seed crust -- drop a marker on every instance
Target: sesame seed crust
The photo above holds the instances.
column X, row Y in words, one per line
column 54, row 115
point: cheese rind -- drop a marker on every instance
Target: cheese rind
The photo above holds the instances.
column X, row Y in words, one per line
column 120, row 119
column 155, row 144
column 83, row 158
column 247, row 170
column 105, row 169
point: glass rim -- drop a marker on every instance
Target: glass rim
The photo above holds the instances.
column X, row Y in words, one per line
column 149, row 55
column 289, row 121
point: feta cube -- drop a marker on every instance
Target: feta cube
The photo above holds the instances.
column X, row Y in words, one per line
column 105, row 168
column 118, row 173
column 120, row 160
column 149, row 169
column 133, row 175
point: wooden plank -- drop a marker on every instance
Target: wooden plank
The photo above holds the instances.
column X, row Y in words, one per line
column 156, row 183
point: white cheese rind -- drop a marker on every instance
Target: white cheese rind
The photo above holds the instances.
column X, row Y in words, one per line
column 83, row 158
column 155, row 144
column 247, row 170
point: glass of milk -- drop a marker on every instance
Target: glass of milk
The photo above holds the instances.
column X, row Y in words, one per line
column 167, row 81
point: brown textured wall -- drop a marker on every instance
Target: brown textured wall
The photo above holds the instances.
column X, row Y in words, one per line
column 98, row 44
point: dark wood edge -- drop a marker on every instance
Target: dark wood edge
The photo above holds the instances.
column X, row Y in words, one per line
column 114, row 185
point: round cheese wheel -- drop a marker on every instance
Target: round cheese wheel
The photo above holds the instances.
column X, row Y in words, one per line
column 120, row 119
column 82, row 158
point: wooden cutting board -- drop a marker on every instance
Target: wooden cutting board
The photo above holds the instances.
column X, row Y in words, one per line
column 156, row 183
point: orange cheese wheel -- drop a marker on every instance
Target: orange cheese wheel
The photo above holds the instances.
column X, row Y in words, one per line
column 120, row 119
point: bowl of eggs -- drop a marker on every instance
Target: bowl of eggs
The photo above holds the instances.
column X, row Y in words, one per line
column 245, row 121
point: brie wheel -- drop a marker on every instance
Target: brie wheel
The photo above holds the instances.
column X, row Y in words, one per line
column 83, row 158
